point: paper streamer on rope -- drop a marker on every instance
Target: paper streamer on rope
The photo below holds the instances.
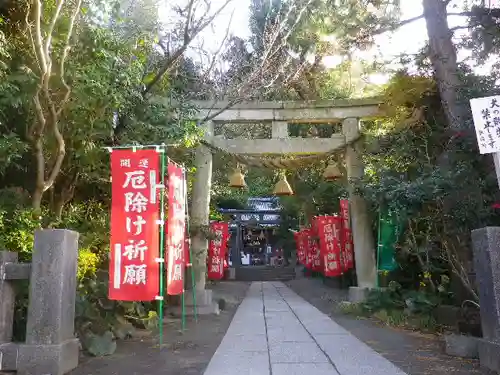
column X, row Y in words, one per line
column 277, row 163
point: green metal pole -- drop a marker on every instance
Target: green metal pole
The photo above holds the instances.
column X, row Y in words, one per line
column 190, row 264
column 183, row 299
column 162, row 243
column 183, row 311
column 378, row 243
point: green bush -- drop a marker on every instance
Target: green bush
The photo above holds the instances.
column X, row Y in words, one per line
column 394, row 297
column 396, row 306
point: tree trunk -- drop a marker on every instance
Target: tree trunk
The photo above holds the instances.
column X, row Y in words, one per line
column 36, row 199
column 37, row 195
column 443, row 57
column 64, row 190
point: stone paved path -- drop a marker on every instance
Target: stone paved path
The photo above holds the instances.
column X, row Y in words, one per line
column 276, row 332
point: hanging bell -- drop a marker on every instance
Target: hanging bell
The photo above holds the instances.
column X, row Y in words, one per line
column 332, row 172
column 282, row 187
column 237, row 179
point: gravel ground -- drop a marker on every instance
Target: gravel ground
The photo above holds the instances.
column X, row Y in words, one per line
column 414, row 353
column 185, row 353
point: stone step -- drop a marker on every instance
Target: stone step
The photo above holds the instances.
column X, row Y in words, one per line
column 265, row 274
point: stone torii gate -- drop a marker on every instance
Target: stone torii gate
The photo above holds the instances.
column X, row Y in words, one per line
column 278, row 115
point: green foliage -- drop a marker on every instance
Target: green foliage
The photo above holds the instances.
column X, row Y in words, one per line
column 17, row 224
column 87, row 263
column 12, row 149
column 398, row 307
column 394, row 297
column 417, row 168
column 99, row 345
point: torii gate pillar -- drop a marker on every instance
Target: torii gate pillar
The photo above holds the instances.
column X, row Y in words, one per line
column 364, row 248
column 200, row 208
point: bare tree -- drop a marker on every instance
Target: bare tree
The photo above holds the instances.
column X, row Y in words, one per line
column 255, row 74
column 188, row 19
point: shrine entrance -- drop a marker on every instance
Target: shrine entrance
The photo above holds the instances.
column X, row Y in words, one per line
column 254, row 240
column 343, row 145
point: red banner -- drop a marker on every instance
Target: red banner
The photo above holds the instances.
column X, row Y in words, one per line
column 344, row 213
column 300, row 242
column 176, row 230
column 347, row 243
column 348, row 247
column 329, row 240
column 298, row 250
column 133, row 269
column 306, row 233
column 316, row 263
column 217, row 250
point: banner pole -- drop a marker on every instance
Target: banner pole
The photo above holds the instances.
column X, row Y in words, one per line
column 378, row 243
column 190, row 264
column 183, row 299
column 162, row 244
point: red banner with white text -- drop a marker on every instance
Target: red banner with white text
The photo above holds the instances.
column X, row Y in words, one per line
column 347, row 244
column 316, row 261
column 302, row 245
column 217, row 250
column 306, row 233
column 133, row 269
column 329, row 241
column 176, row 230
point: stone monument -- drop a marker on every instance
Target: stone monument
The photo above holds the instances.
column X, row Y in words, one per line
column 486, row 247
column 50, row 347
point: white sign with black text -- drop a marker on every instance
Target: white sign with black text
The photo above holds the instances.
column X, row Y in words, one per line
column 486, row 115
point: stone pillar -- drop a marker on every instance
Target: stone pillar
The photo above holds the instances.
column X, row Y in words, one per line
column 51, row 347
column 486, row 247
column 8, row 350
column 236, row 247
column 200, row 207
column 8, row 298
column 364, row 246
column 280, row 129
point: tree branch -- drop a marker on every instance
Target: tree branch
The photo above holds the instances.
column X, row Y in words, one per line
column 453, row 29
column 67, row 47
column 38, row 39
column 398, row 25
column 48, row 110
column 217, row 53
column 188, row 22
column 50, row 31
column 189, row 35
column 491, row 12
